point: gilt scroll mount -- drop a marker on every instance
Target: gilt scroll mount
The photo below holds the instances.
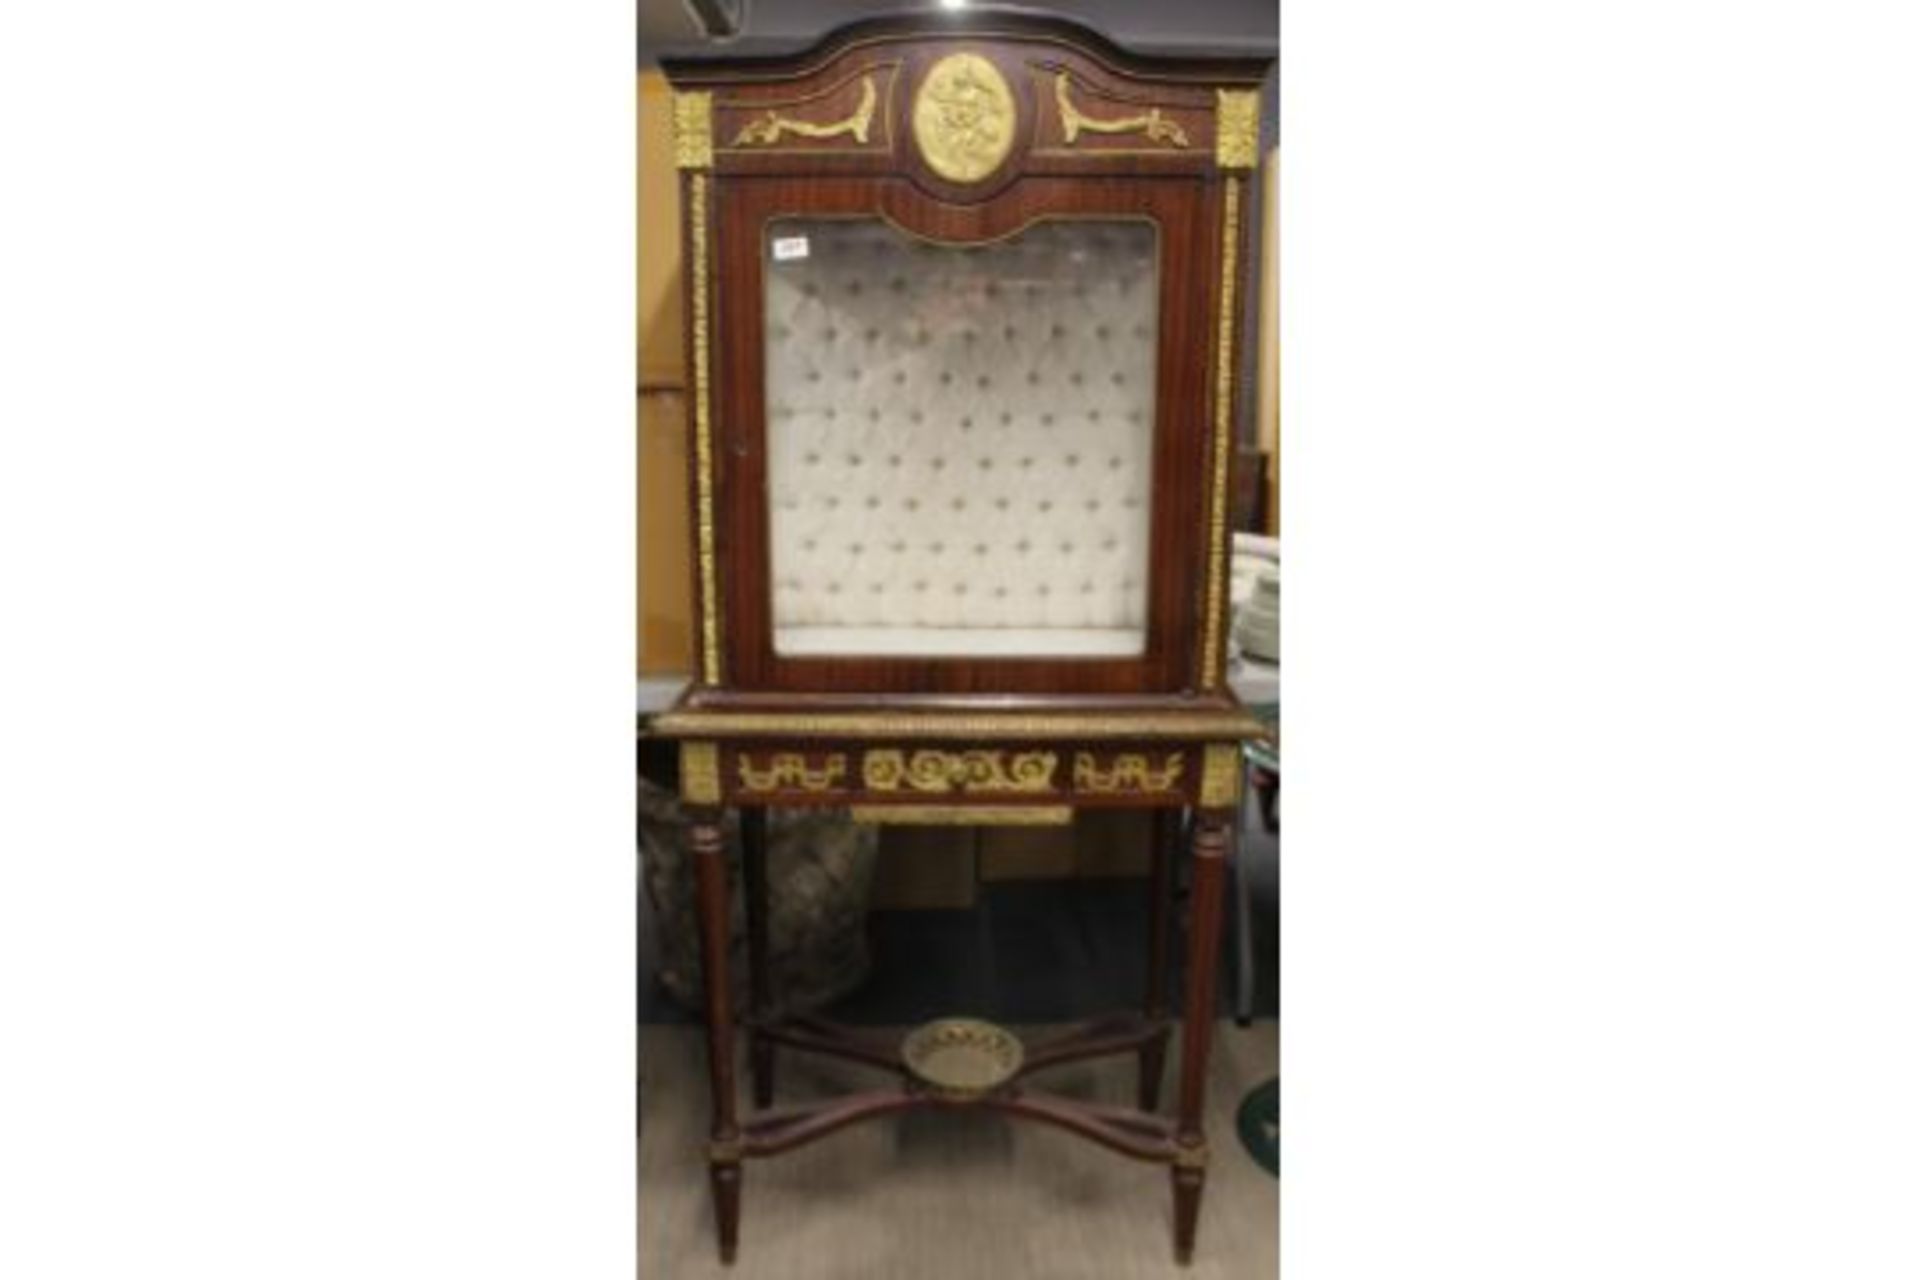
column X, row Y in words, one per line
column 769, row 127
column 1073, row 121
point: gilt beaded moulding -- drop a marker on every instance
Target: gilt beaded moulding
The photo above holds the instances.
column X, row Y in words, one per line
column 1190, row 726
column 972, row 815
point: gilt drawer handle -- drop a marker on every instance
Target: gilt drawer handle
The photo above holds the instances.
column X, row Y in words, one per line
column 768, row 128
column 1072, row 120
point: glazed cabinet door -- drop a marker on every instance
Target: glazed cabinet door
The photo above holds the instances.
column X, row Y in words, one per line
column 961, row 443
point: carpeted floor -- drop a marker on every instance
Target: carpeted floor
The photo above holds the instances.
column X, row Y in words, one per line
column 950, row 1195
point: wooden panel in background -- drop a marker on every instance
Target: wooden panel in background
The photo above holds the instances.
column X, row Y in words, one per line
column 1026, row 853
column 924, row 868
column 662, row 322
column 1098, row 844
column 666, row 586
column 1111, row 843
column 666, row 589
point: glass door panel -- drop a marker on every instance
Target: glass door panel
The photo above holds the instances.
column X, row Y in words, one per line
column 960, row 438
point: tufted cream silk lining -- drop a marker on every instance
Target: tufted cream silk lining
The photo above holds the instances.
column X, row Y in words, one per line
column 960, row 438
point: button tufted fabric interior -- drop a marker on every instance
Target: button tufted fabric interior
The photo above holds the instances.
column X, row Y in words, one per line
column 960, row 438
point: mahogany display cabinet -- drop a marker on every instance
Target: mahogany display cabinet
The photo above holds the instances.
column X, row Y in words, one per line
column 965, row 300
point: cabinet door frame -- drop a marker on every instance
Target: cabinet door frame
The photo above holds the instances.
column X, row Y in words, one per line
column 1186, row 215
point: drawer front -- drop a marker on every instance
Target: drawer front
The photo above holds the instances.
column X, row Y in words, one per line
column 909, row 774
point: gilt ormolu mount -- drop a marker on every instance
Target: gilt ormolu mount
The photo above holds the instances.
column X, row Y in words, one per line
column 965, row 302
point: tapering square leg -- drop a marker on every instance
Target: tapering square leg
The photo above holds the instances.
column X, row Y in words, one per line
column 753, row 875
column 707, row 839
column 1153, row 1054
column 1212, row 846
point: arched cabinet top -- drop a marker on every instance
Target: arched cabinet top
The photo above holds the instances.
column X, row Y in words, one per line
column 964, row 104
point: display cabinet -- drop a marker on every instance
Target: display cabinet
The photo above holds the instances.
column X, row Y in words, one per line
column 965, row 298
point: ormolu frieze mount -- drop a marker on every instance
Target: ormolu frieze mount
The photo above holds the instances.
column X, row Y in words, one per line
column 1073, row 121
column 769, row 127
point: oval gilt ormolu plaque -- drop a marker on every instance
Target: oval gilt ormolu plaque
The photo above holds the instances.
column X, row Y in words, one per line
column 963, row 118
